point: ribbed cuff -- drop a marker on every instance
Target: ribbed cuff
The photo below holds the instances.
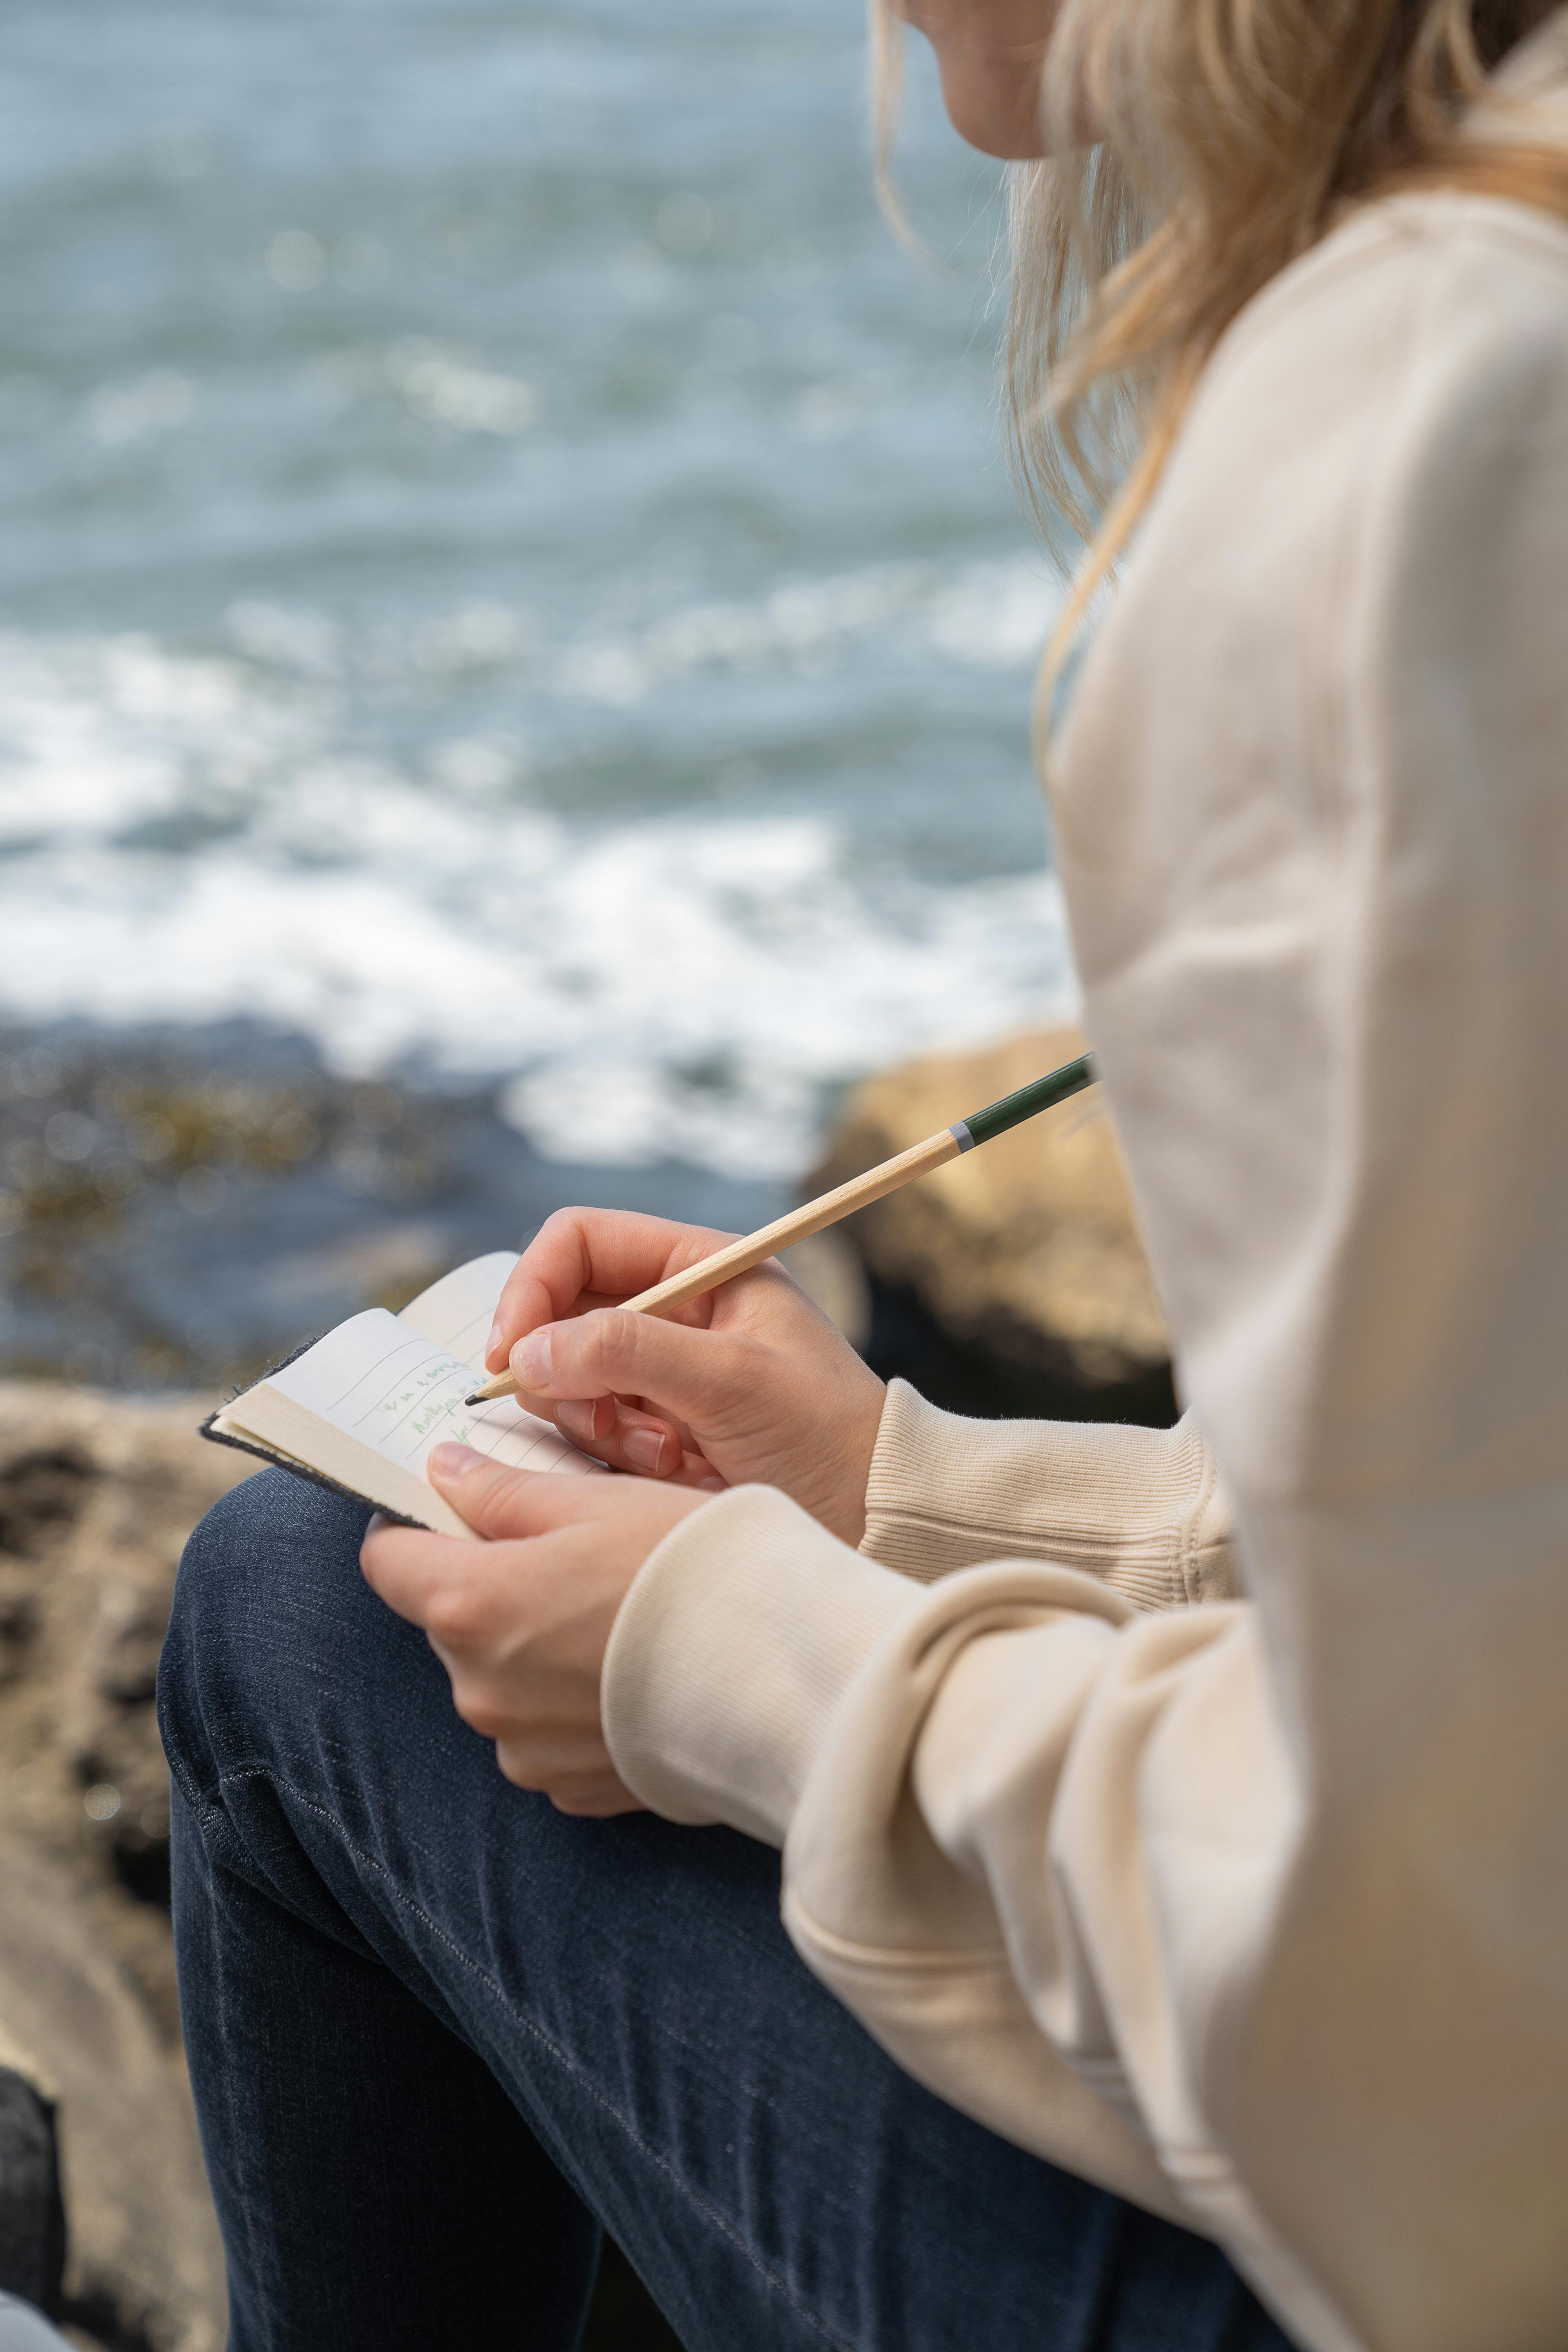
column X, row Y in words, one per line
column 1142, row 1509
column 728, row 1654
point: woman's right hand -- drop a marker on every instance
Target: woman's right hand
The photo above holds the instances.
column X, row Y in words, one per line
column 751, row 1383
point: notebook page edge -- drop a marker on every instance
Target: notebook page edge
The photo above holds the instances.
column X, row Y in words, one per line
column 292, row 1430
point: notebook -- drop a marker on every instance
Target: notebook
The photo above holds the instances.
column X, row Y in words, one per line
column 360, row 1410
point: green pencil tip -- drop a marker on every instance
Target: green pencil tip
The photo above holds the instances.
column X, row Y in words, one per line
column 1041, row 1094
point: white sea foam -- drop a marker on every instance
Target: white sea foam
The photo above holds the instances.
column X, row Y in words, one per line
column 995, row 615
column 182, row 839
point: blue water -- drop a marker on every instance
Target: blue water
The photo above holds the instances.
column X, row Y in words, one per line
column 507, row 573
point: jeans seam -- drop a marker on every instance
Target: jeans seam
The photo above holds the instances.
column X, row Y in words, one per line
column 563, row 2057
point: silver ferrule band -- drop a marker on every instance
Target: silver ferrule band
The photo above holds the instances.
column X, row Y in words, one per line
column 962, row 1137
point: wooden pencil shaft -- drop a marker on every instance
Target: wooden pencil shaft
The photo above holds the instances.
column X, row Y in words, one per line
column 739, row 1256
column 754, row 1249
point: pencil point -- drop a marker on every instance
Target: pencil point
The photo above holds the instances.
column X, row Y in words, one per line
column 473, row 1399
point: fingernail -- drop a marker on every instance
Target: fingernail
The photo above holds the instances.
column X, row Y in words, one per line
column 643, row 1447
column 493, row 1342
column 530, row 1359
column 449, row 1461
column 715, row 1486
column 577, row 1416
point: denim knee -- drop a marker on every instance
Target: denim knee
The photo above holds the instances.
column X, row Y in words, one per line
column 268, row 1604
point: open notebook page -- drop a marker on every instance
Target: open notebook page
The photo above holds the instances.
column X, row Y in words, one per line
column 395, row 1390
column 458, row 1311
column 363, row 1407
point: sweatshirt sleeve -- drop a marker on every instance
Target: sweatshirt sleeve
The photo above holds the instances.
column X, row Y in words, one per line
column 736, row 1680
column 1279, row 1885
column 1144, row 1509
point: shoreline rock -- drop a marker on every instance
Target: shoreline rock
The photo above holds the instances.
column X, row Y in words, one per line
column 144, row 2263
column 1015, row 1276
column 97, row 1496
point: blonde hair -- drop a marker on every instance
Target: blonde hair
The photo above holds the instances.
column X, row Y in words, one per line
column 1233, row 134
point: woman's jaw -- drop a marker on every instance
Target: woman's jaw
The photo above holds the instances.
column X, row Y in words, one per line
column 991, row 55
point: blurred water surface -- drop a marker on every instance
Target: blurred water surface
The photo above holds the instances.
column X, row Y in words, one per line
column 508, row 577
column 506, row 566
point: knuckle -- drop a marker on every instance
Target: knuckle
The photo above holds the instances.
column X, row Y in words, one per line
column 519, row 1765
column 488, row 1506
column 594, row 1798
column 453, row 1618
column 484, row 1711
column 603, row 1350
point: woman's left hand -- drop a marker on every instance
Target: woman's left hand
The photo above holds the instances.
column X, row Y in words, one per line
column 522, row 1621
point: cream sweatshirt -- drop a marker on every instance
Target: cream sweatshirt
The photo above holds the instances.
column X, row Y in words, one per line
column 1255, row 1911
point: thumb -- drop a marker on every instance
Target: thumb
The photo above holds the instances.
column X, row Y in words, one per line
column 607, row 1352
column 498, row 1502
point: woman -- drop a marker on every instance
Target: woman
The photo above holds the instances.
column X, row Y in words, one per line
column 1229, row 1937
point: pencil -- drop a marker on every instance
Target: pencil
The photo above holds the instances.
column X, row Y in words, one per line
column 739, row 1257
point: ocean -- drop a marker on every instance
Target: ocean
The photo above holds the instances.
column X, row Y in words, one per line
column 510, row 599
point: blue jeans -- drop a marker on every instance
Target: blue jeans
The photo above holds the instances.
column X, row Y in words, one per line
column 440, row 2034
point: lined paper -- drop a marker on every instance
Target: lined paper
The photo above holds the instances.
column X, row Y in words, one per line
column 399, row 1393
column 457, row 1312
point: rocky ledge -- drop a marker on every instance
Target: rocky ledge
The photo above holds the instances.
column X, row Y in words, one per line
column 97, row 1496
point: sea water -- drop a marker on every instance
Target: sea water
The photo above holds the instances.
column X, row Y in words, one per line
column 508, row 567
column 508, row 583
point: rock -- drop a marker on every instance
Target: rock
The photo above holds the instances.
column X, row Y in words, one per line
column 144, row 2267
column 32, row 2211
column 96, row 1497
column 1024, row 1256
